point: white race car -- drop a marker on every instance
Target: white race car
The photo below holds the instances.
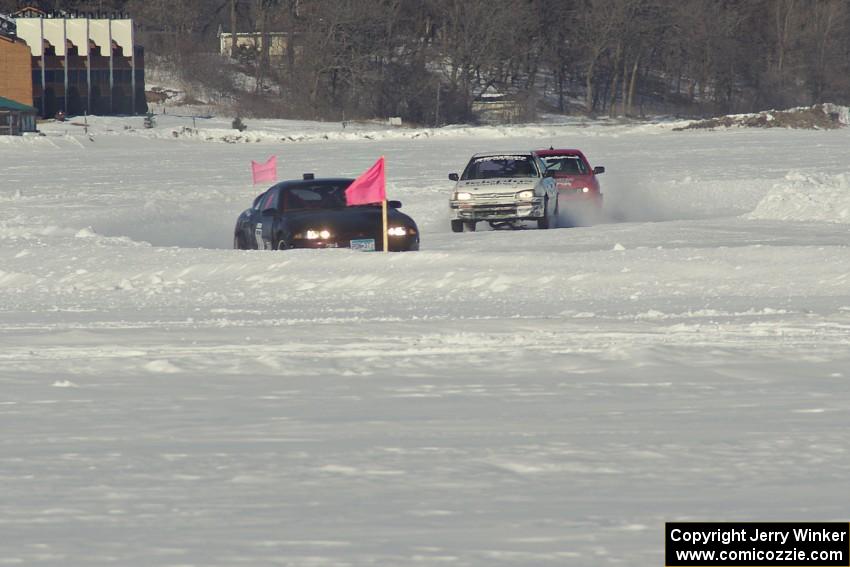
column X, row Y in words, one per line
column 503, row 188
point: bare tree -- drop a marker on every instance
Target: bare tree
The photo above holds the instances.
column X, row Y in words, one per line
column 597, row 26
column 428, row 60
column 827, row 22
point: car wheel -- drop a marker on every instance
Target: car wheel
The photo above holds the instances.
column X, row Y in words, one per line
column 282, row 244
column 470, row 226
column 457, row 226
column 238, row 243
column 548, row 220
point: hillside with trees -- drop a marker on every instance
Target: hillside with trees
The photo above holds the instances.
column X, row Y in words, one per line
column 427, row 60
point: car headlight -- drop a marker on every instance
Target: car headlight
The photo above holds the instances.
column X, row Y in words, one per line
column 313, row 235
column 585, row 189
column 463, row 196
column 525, row 195
column 399, row 231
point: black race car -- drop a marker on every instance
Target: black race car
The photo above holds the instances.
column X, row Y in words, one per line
column 312, row 213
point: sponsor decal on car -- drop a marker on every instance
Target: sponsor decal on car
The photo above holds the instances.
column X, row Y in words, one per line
column 498, row 158
column 258, row 234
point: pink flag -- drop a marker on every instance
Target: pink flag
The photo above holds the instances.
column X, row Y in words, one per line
column 264, row 171
column 370, row 187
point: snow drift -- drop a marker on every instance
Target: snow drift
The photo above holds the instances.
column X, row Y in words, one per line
column 807, row 197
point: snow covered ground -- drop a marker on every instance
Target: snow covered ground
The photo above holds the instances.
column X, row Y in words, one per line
column 498, row 398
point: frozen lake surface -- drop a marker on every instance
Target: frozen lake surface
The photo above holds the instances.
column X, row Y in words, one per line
column 498, row 398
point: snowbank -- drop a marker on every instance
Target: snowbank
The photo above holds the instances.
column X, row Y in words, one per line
column 843, row 112
column 807, row 197
column 825, row 116
column 196, row 124
column 370, row 132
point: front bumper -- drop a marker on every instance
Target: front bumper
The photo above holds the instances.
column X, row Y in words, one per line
column 496, row 209
column 408, row 242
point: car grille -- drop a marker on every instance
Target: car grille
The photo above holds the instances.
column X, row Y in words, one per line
column 494, row 210
column 491, row 197
column 345, row 237
column 340, row 240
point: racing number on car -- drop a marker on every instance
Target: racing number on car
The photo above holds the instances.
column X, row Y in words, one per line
column 258, row 234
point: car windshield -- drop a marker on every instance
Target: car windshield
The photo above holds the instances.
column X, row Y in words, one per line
column 487, row 167
column 319, row 196
column 565, row 164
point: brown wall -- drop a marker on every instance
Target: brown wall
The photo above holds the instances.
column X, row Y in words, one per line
column 15, row 71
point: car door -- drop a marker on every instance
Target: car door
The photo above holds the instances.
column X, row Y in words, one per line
column 549, row 187
column 265, row 220
column 248, row 220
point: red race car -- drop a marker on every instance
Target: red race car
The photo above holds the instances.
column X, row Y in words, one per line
column 579, row 195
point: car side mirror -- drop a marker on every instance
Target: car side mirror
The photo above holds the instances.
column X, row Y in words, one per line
column 394, row 204
column 598, row 169
column 453, row 177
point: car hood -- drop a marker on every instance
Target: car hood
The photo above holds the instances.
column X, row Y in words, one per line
column 496, row 185
column 572, row 180
column 348, row 219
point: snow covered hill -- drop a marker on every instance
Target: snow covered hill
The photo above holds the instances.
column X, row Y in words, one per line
column 499, row 398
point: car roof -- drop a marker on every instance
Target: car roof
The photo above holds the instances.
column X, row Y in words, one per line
column 290, row 183
column 557, row 152
column 504, row 153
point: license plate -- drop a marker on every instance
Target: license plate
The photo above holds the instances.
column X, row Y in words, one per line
column 364, row 244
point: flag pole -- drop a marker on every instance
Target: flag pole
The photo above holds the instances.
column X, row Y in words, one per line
column 384, row 218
